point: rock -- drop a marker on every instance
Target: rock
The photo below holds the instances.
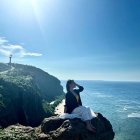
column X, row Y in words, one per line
column 43, row 136
column 75, row 129
column 18, row 132
column 54, row 128
column 50, row 124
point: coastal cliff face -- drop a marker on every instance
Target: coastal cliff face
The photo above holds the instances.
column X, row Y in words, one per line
column 22, row 90
column 54, row 128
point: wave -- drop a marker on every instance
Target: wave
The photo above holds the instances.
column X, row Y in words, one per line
column 122, row 108
column 118, row 105
column 126, row 107
column 98, row 94
column 129, row 102
column 103, row 95
column 134, row 115
column 122, row 111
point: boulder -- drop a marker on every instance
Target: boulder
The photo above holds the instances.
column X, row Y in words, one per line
column 75, row 129
column 55, row 128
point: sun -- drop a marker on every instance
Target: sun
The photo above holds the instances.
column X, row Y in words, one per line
column 23, row 9
column 26, row 12
column 29, row 13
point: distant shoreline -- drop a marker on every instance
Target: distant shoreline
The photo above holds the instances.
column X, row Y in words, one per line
column 59, row 109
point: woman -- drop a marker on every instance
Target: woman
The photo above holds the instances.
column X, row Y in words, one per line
column 74, row 104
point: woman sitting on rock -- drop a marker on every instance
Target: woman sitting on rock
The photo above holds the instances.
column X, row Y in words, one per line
column 74, row 105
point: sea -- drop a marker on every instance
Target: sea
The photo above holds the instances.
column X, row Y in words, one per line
column 118, row 101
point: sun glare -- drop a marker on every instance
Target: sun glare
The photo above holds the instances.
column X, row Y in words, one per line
column 27, row 12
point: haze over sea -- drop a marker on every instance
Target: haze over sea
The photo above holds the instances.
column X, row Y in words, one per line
column 117, row 101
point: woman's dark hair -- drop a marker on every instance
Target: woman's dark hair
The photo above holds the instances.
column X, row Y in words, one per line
column 68, row 85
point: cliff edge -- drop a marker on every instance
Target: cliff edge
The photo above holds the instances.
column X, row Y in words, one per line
column 55, row 128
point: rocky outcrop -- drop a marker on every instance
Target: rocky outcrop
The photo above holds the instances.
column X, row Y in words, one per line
column 75, row 129
column 54, row 128
column 18, row 132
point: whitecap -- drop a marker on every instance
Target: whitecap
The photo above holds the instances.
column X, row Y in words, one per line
column 134, row 115
column 104, row 96
column 124, row 100
column 130, row 107
column 97, row 93
column 125, row 108
column 120, row 110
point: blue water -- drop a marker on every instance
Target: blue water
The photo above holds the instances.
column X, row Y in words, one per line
column 117, row 101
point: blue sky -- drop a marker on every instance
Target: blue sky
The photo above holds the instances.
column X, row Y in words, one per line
column 73, row 39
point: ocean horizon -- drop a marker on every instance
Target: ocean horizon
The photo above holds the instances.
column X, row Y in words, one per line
column 118, row 101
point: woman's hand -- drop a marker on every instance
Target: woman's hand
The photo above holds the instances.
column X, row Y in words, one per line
column 77, row 84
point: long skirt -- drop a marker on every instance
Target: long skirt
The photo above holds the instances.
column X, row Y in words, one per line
column 85, row 113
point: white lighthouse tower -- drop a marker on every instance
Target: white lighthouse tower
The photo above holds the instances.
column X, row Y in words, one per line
column 10, row 59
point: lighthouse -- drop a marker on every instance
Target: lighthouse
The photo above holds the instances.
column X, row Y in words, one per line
column 10, row 59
